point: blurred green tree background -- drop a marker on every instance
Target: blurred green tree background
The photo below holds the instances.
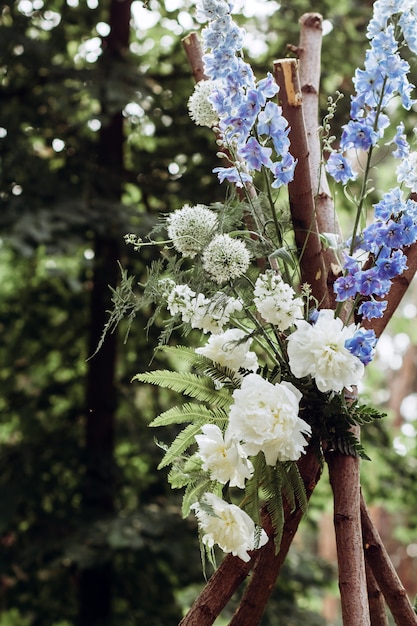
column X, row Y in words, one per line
column 96, row 142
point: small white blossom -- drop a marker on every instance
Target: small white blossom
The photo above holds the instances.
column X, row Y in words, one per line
column 227, row 526
column 229, row 350
column 276, row 301
column 264, row 417
column 191, row 228
column 407, row 172
column 223, row 457
column 208, row 314
column 225, row 258
column 319, row 351
column 200, row 108
column 181, row 300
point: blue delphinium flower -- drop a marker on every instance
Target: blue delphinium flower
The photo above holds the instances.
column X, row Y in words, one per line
column 283, row 171
column 339, row 168
column 358, row 135
column 371, row 309
column 241, row 103
column 362, row 345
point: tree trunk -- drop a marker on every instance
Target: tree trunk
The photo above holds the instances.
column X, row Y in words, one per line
column 95, row 582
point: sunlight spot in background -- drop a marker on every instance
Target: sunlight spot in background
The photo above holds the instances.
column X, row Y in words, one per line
column 399, row 446
column 409, row 311
column 256, row 8
column 58, row 145
column 143, row 18
column 412, row 550
column 103, row 29
column 408, row 407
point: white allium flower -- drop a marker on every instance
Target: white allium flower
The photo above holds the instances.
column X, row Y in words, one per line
column 264, row 417
column 225, row 258
column 223, row 457
column 229, row 350
column 191, row 228
column 319, row 351
column 227, row 526
column 407, row 172
column 200, row 108
column 275, row 300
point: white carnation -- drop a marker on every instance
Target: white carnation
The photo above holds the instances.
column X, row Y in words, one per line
column 225, row 259
column 223, row 457
column 264, row 417
column 191, row 228
column 200, row 108
column 230, row 350
column 275, row 300
column 319, row 351
column 227, row 526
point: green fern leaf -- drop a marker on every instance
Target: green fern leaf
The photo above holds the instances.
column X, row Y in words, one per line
column 193, row 492
column 293, row 486
column 273, row 491
column 252, row 487
column 190, row 412
column 189, row 384
column 183, row 441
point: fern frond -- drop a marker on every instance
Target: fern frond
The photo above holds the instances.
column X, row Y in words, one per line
column 293, row 486
column 193, row 492
column 181, row 442
column 191, row 412
column 273, row 492
column 252, row 487
column 189, row 384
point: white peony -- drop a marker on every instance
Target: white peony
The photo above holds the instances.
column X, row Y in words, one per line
column 223, row 457
column 229, row 350
column 276, row 301
column 264, row 417
column 227, row 526
column 319, row 351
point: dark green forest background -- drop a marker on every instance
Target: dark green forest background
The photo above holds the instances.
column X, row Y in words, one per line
column 96, row 142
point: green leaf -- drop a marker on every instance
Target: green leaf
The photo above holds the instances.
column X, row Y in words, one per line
column 293, row 486
column 193, row 493
column 190, row 412
column 183, row 441
column 189, row 384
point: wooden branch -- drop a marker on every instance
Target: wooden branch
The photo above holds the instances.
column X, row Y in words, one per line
column 300, row 189
column 345, row 482
column 269, row 564
column 375, row 598
column 384, row 572
column 194, row 52
column 309, row 67
column 218, row 591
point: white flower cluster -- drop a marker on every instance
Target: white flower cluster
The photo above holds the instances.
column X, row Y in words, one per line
column 319, row 350
column 275, row 300
column 200, row 108
column 225, row 259
column 228, row 526
column 230, row 349
column 191, row 228
column 223, row 457
column 208, row 314
column 263, row 417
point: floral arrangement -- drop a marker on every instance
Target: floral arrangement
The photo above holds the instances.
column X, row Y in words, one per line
column 278, row 364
